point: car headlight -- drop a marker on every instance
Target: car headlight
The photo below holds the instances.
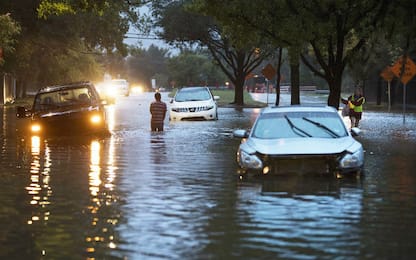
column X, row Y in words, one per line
column 353, row 160
column 95, row 119
column 250, row 161
column 179, row 109
column 206, row 108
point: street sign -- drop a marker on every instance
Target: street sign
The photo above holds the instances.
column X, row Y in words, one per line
column 409, row 72
column 269, row 72
column 409, row 69
column 387, row 74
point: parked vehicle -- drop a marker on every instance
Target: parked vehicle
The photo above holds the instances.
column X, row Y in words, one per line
column 194, row 103
column 300, row 140
column 66, row 110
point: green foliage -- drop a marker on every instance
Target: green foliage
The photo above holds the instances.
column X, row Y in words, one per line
column 67, row 40
column 191, row 68
column 9, row 29
column 48, row 8
column 143, row 65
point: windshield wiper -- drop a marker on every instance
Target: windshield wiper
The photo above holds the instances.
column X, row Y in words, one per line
column 293, row 127
column 332, row 133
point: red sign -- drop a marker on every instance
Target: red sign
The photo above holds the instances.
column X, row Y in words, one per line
column 409, row 69
column 387, row 74
column 269, row 72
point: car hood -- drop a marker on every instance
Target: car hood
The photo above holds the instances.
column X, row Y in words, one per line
column 300, row 146
column 193, row 103
column 66, row 111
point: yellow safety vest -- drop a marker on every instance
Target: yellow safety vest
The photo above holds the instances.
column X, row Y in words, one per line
column 356, row 108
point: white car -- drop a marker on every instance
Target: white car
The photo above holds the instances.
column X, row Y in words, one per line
column 193, row 103
column 300, row 140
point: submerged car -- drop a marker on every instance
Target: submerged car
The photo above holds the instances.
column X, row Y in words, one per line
column 66, row 110
column 194, row 103
column 299, row 140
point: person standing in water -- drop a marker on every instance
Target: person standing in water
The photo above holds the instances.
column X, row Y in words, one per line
column 355, row 103
column 158, row 111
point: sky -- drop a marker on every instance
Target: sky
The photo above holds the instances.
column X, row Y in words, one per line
column 136, row 38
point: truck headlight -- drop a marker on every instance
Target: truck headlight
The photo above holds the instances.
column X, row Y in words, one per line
column 249, row 161
column 96, row 119
column 35, row 128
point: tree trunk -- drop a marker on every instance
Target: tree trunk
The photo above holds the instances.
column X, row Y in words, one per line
column 278, row 76
column 334, row 92
column 239, row 90
column 294, row 54
column 379, row 90
column 294, row 84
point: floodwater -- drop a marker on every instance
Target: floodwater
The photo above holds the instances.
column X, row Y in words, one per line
column 175, row 195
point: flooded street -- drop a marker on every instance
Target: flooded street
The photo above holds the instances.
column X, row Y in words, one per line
column 175, row 194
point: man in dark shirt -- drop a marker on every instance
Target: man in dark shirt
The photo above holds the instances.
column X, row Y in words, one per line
column 158, row 111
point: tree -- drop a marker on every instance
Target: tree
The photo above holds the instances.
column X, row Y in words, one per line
column 264, row 21
column 143, row 65
column 56, row 47
column 191, row 68
column 326, row 34
column 339, row 31
column 9, row 29
column 181, row 25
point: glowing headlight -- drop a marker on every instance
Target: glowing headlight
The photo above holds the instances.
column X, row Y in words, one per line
column 250, row 161
column 35, row 128
column 353, row 160
column 96, row 119
column 111, row 91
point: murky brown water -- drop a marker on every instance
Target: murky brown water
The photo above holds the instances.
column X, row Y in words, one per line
column 174, row 195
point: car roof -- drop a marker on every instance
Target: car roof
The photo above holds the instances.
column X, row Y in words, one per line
column 299, row 108
column 191, row 88
column 64, row 86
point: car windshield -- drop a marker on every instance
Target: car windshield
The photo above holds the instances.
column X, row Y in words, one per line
column 299, row 124
column 81, row 96
column 192, row 94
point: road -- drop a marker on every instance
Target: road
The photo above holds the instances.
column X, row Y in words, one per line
column 175, row 195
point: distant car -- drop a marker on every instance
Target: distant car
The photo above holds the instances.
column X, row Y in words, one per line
column 300, row 140
column 111, row 89
column 193, row 103
column 66, row 110
column 120, row 87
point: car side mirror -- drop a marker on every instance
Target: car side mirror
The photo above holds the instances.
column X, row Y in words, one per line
column 21, row 112
column 171, row 100
column 240, row 133
column 216, row 98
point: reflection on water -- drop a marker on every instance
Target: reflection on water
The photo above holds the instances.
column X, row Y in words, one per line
column 101, row 199
column 174, row 195
column 39, row 188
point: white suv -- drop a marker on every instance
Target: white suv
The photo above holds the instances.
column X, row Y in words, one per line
column 193, row 103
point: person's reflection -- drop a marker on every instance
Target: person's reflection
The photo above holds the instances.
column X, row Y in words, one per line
column 158, row 148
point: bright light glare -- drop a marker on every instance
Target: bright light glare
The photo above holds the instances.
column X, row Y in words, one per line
column 137, row 89
column 35, row 128
column 96, row 119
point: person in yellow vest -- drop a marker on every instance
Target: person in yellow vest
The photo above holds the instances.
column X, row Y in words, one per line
column 355, row 103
